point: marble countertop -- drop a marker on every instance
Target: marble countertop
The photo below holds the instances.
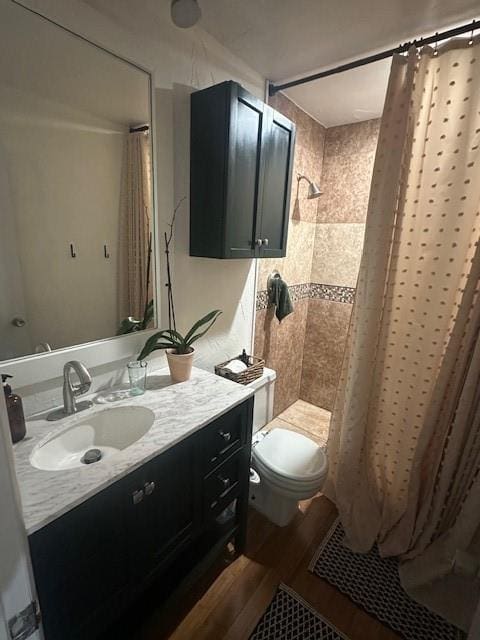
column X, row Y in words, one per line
column 180, row 410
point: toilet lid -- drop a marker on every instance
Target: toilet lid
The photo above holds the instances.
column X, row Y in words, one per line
column 291, row 455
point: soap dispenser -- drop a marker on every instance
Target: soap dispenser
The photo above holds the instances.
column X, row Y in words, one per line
column 14, row 404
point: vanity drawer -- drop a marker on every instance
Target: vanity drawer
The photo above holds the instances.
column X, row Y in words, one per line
column 223, row 484
column 224, row 436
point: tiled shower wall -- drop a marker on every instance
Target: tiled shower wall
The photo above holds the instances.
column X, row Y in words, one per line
column 323, row 257
column 349, row 153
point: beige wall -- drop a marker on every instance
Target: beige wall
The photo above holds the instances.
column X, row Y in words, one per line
column 324, row 248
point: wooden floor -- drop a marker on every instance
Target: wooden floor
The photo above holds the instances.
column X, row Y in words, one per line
column 227, row 603
column 230, row 600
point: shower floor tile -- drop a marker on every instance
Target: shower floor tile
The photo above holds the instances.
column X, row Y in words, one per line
column 307, row 419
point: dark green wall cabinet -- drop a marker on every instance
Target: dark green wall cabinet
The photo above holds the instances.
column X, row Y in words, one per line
column 240, row 175
column 158, row 526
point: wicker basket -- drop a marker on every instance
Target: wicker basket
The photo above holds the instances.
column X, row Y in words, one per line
column 253, row 371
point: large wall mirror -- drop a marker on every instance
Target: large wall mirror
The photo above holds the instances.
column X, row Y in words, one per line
column 76, row 205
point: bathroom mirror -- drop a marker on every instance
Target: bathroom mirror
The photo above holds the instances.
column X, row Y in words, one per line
column 76, row 204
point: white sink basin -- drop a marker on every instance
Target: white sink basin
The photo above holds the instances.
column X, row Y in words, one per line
column 107, row 432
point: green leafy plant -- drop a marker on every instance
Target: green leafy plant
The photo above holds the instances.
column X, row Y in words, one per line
column 131, row 324
column 172, row 339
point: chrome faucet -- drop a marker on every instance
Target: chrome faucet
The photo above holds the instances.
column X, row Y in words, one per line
column 71, row 391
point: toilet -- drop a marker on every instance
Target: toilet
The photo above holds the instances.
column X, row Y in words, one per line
column 286, row 466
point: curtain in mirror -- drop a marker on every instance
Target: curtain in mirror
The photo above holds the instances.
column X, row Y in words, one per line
column 135, row 268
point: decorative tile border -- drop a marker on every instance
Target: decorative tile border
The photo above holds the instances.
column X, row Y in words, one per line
column 332, row 292
column 299, row 291
column 262, row 300
column 312, row 290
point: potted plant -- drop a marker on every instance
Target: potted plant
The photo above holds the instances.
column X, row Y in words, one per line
column 178, row 347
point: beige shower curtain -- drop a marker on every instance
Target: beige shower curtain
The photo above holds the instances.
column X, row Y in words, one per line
column 404, row 446
column 135, row 226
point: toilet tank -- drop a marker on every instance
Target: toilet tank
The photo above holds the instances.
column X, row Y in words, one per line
column 264, row 392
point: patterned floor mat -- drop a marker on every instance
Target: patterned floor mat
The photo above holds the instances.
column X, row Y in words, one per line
column 289, row 617
column 373, row 583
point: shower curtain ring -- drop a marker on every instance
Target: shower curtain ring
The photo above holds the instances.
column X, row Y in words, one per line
column 435, row 51
column 470, row 42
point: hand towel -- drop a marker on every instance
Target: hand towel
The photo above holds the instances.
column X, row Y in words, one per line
column 280, row 297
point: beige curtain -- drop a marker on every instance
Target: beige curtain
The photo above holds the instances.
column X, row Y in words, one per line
column 404, row 445
column 135, row 226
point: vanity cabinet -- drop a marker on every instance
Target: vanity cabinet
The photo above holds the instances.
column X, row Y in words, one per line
column 240, row 175
column 155, row 526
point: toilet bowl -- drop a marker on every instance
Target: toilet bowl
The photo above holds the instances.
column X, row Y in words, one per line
column 287, row 466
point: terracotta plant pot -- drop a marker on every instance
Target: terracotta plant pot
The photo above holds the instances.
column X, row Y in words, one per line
column 180, row 365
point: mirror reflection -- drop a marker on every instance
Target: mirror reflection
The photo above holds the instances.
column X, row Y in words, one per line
column 76, row 212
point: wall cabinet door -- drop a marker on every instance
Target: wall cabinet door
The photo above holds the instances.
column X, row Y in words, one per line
column 278, row 149
column 245, row 173
column 240, row 175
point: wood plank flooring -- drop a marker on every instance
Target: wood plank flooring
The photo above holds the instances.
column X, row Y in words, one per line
column 228, row 602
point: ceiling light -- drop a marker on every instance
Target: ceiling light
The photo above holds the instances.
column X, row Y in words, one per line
column 185, row 13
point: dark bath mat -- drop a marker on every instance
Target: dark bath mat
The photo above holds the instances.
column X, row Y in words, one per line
column 289, row 617
column 374, row 583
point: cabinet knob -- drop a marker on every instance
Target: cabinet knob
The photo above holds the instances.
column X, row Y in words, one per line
column 137, row 496
column 149, row 488
column 265, row 242
column 18, row 322
column 226, row 435
column 259, row 242
column 225, row 482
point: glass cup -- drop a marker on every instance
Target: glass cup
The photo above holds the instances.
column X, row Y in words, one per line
column 137, row 374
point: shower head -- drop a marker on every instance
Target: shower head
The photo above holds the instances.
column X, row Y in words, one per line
column 313, row 189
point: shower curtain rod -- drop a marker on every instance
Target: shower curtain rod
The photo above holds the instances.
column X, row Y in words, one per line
column 444, row 35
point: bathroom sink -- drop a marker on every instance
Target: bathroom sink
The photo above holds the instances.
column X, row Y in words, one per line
column 93, row 439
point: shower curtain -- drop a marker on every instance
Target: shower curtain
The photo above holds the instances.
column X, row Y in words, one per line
column 135, row 227
column 404, row 445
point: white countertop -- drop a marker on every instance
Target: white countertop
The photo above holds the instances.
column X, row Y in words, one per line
column 180, row 410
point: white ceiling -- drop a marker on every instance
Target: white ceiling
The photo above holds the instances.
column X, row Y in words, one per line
column 282, row 39
column 351, row 96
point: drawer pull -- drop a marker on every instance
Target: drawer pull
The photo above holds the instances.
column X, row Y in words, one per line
column 137, row 496
column 225, row 482
column 226, row 435
column 149, row 488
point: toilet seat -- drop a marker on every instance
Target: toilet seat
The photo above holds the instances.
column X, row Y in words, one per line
column 291, row 462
